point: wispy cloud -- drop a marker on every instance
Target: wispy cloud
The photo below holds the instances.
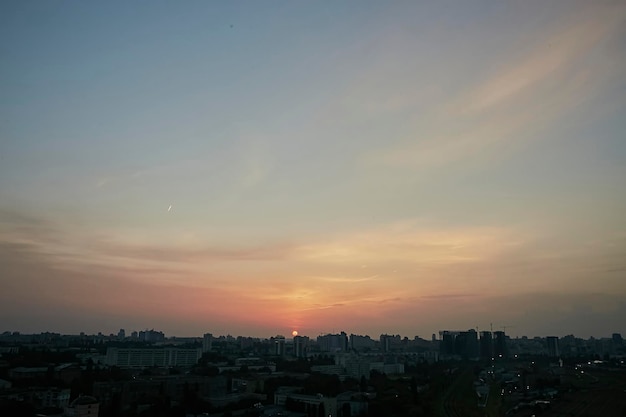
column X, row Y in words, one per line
column 406, row 242
column 529, row 91
column 175, row 168
column 398, row 242
column 364, row 302
column 451, row 296
column 557, row 53
column 411, row 267
column 347, row 280
column 82, row 250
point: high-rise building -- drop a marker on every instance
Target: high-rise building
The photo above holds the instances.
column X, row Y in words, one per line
column 300, row 344
column 552, row 344
column 447, row 345
column 279, row 346
column 121, row 335
column 333, row 342
column 486, row 345
column 151, row 336
column 499, row 345
column 460, row 343
column 207, row 342
column 466, row 344
column 358, row 342
column 386, row 342
column 617, row 339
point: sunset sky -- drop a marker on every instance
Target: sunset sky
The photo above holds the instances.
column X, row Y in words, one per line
column 257, row 167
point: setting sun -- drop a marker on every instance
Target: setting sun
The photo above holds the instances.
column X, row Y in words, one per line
column 294, row 333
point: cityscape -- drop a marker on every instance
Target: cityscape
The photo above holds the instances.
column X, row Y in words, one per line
column 312, row 208
column 452, row 373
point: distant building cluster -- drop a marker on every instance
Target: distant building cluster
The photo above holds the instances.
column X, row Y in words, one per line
column 469, row 345
column 225, row 370
column 353, row 365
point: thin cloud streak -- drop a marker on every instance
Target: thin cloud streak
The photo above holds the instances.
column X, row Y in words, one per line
column 396, row 255
column 148, row 301
column 535, row 91
column 553, row 55
column 347, row 280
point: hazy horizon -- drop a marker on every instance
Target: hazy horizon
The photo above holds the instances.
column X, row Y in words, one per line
column 289, row 336
column 255, row 168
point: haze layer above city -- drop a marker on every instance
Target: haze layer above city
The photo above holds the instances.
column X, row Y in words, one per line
column 257, row 168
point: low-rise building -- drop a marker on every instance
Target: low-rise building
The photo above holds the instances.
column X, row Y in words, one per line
column 150, row 357
column 83, row 406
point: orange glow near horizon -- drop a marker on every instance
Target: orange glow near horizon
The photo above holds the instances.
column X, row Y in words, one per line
column 395, row 175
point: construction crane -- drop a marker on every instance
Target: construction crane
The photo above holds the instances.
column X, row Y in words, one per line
column 505, row 327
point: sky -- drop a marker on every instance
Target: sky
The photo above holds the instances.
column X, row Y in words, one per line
column 253, row 168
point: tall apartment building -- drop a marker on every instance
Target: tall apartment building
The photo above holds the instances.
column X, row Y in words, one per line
column 358, row 342
column 466, row 344
column 207, row 342
column 300, row 344
column 388, row 342
column 486, row 345
column 279, row 346
column 333, row 342
column 461, row 343
column 499, row 345
column 552, row 343
column 151, row 336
